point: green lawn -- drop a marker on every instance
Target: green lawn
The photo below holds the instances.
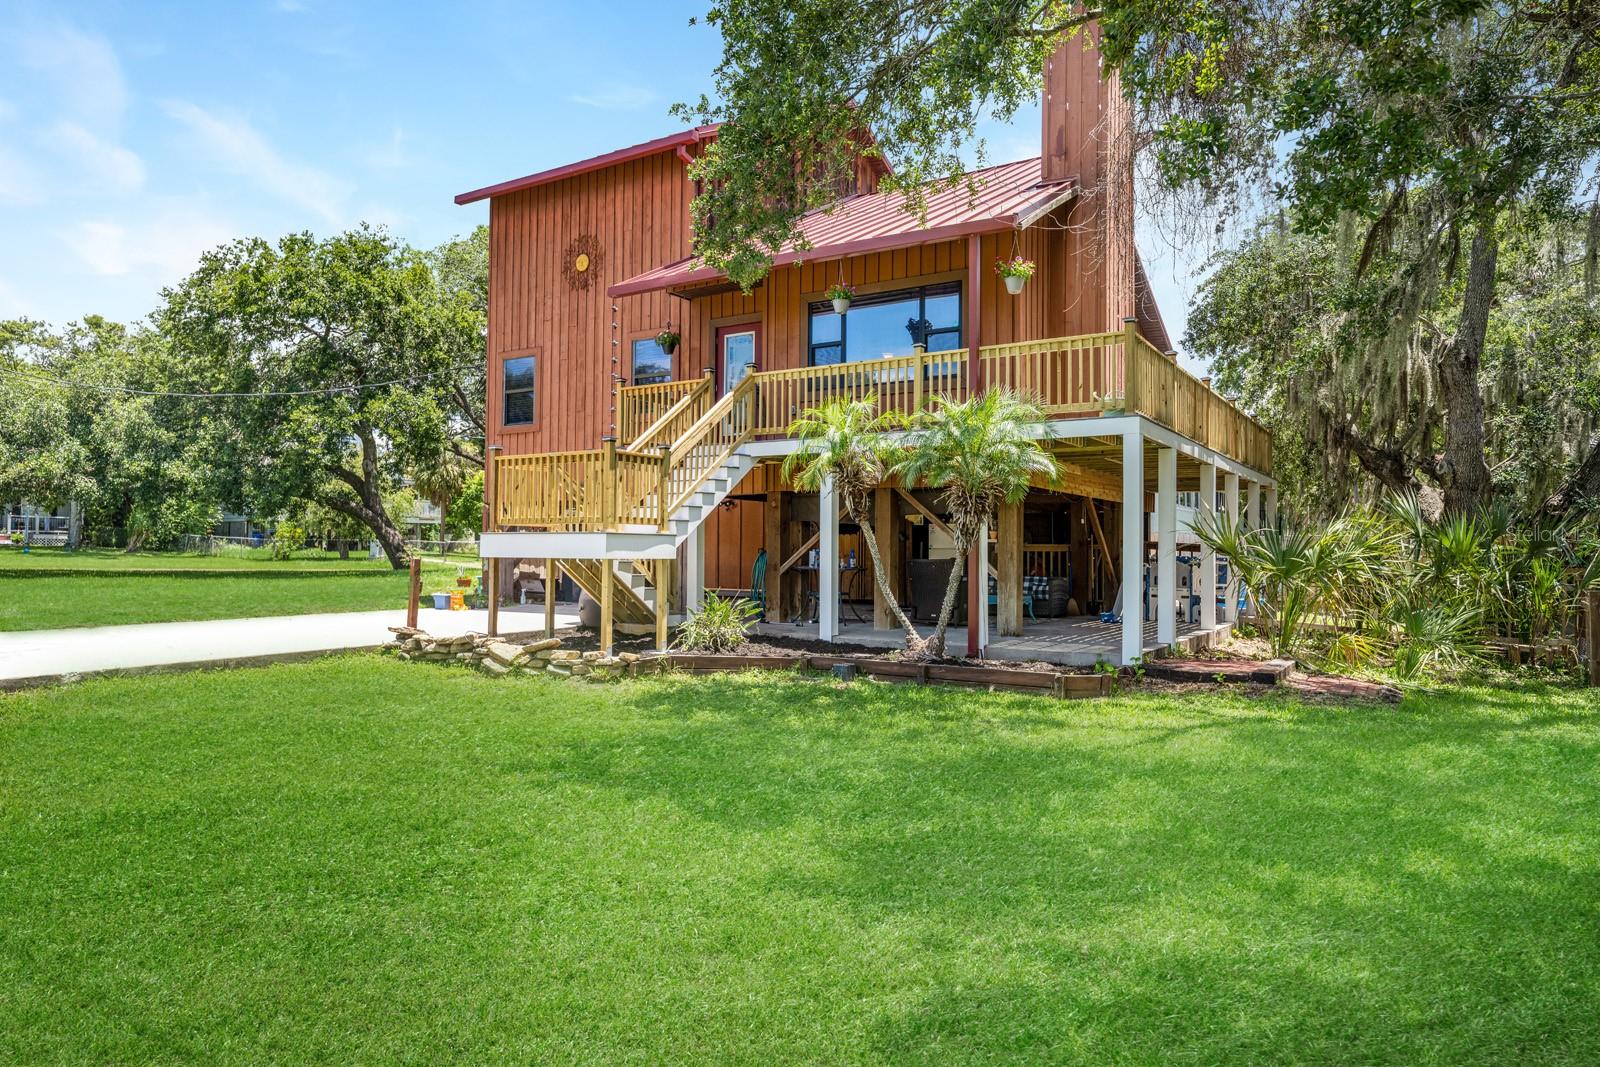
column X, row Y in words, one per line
column 50, row 589
column 97, row 559
column 363, row 860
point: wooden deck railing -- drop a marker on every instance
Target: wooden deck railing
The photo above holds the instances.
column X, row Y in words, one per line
column 677, row 435
column 640, row 407
column 1068, row 375
column 902, row 384
column 1158, row 388
column 671, row 421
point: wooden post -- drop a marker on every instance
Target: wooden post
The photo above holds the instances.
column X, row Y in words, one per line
column 1594, row 637
column 664, row 487
column 1130, row 346
column 492, row 593
column 608, row 581
column 549, row 598
column 491, row 489
column 608, row 482
column 919, row 368
column 886, row 524
column 416, row 592
column 1008, row 568
column 663, row 599
column 772, row 541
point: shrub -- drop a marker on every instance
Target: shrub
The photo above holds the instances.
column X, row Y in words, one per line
column 287, row 540
column 719, row 626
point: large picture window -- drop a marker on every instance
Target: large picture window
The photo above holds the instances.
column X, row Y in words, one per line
column 882, row 325
column 520, row 375
column 650, row 363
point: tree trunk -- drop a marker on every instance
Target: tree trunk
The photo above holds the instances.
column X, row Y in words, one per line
column 1583, row 487
column 1466, row 481
column 947, row 609
column 913, row 639
column 367, row 507
column 1389, row 467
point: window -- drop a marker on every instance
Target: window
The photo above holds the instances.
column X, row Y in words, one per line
column 881, row 325
column 519, row 389
column 650, row 363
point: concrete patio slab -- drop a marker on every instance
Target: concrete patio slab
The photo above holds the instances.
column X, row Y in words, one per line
column 1081, row 641
column 42, row 657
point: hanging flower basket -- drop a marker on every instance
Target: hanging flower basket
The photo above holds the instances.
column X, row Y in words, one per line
column 841, row 295
column 1015, row 272
column 668, row 340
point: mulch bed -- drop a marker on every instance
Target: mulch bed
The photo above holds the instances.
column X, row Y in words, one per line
column 1189, row 675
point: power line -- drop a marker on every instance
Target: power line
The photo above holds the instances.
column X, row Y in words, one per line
column 39, row 378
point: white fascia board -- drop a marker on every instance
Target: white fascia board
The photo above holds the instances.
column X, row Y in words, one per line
column 1116, row 425
column 584, row 545
column 1066, row 430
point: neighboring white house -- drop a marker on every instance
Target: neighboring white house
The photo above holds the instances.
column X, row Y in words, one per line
column 40, row 525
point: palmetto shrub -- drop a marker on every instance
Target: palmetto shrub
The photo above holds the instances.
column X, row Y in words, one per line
column 1397, row 588
column 719, row 626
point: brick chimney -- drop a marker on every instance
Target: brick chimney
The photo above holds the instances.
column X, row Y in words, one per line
column 1086, row 135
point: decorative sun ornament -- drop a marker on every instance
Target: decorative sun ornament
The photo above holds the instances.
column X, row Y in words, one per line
column 581, row 261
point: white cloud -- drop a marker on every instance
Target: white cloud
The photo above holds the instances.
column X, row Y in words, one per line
column 82, row 68
column 20, row 181
column 101, row 164
column 617, row 98
column 164, row 244
column 236, row 146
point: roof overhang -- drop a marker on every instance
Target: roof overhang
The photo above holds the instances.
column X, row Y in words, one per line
column 684, row 278
column 584, row 166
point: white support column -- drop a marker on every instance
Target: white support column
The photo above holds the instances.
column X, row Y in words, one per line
column 1271, row 520
column 1132, row 546
column 694, row 571
column 1206, row 582
column 983, row 597
column 1167, row 545
column 828, row 564
column 1252, row 508
column 1230, row 507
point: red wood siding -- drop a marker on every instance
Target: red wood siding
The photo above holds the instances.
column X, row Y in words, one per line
column 638, row 214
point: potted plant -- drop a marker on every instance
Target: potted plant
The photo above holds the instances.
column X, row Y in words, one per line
column 841, row 294
column 668, row 340
column 918, row 329
column 1015, row 271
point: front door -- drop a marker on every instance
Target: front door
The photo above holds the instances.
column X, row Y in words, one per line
column 738, row 353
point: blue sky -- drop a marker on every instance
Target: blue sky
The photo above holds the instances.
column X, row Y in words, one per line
column 134, row 135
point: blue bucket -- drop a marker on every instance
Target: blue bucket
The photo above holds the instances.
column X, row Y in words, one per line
column 441, row 601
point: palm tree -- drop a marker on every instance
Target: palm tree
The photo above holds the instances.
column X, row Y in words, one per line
column 980, row 453
column 846, row 440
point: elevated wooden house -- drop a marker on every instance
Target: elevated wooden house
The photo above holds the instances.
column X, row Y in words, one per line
column 645, row 472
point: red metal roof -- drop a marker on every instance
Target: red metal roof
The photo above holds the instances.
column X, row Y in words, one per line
column 1010, row 195
column 583, row 166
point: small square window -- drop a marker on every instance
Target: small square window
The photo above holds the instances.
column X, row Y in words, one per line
column 651, row 364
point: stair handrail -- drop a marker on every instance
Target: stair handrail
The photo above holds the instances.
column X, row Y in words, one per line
column 676, row 458
column 692, row 398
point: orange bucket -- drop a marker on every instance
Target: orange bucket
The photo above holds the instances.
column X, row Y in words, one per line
column 457, row 601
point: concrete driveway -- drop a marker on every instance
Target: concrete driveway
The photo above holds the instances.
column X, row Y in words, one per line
column 39, row 657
